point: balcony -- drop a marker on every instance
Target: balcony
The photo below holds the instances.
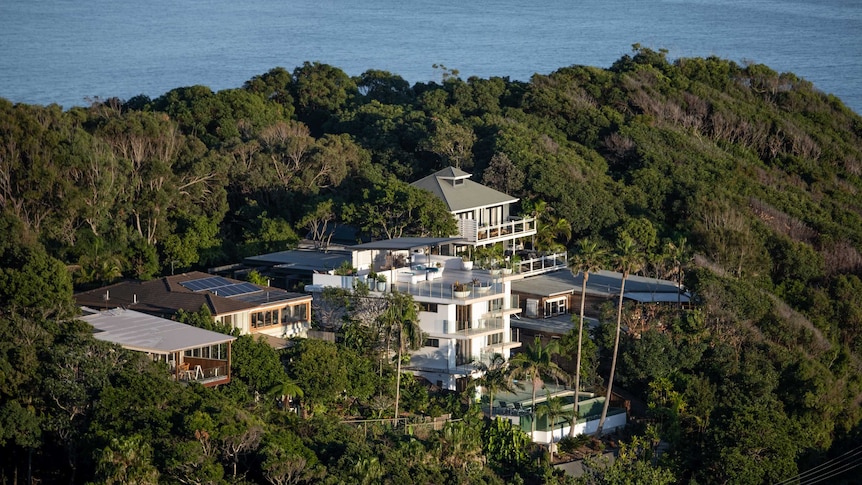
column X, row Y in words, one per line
column 208, row 372
column 470, row 230
column 481, row 327
column 542, row 263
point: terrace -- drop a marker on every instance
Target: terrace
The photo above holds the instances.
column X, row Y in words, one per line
column 193, row 354
column 518, row 408
column 474, row 232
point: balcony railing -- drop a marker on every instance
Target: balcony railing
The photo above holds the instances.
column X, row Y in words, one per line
column 544, row 263
column 470, row 230
column 204, row 371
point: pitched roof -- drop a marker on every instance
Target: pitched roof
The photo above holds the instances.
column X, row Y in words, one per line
column 147, row 333
column 455, row 188
column 167, row 295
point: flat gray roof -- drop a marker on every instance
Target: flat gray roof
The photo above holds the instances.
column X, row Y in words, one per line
column 147, row 333
column 602, row 283
column 406, row 243
column 302, row 259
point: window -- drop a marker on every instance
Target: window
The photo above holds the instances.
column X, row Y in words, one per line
column 556, row 306
column 427, row 307
column 264, row 319
column 432, row 342
column 293, row 314
column 494, row 339
column 300, row 312
column 463, row 317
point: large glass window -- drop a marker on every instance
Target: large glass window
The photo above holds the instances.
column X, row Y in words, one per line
column 264, row 318
column 463, row 352
column 297, row 313
column 427, row 307
column 463, row 317
column 494, row 339
column 556, row 306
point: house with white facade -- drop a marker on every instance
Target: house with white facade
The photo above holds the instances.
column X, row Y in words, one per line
column 484, row 215
column 465, row 314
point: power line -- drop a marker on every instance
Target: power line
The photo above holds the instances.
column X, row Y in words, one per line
column 839, row 464
column 838, row 471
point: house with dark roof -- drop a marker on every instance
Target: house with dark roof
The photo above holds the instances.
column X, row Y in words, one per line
column 259, row 310
column 193, row 354
column 484, row 215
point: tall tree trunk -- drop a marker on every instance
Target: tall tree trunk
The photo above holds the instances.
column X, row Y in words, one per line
column 578, row 359
column 614, row 360
column 398, row 383
column 533, row 412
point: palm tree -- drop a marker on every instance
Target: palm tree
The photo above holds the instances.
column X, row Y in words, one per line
column 628, row 260
column 496, row 378
column 679, row 254
column 553, row 409
column 534, row 363
column 285, row 389
column 587, row 260
column 402, row 318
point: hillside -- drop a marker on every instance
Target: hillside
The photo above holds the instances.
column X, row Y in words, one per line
column 756, row 172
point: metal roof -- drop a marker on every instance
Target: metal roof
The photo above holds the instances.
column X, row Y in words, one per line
column 602, row 283
column 454, row 187
column 167, row 295
column 406, row 243
column 302, row 259
column 147, row 333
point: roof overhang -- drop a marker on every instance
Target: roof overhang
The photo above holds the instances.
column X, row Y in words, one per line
column 405, row 243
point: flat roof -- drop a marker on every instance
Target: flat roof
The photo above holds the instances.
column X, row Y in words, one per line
column 147, row 333
column 405, row 243
column 602, row 283
column 302, row 259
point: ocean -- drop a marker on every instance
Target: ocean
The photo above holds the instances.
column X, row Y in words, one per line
column 72, row 51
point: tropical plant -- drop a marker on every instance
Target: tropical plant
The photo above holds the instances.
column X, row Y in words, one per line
column 402, row 318
column 628, row 260
column 496, row 378
column 587, row 260
column 535, row 363
column 284, row 391
column 678, row 253
column 345, row 269
column 553, row 409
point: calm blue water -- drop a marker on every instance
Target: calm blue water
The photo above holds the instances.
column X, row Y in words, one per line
column 63, row 51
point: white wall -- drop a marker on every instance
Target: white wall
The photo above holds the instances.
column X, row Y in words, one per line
column 588, row 427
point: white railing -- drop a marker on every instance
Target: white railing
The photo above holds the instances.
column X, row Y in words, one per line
column 543, row 264
column 470, row 230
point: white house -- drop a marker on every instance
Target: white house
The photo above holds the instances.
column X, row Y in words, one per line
column 484, row 215
column 462, row 327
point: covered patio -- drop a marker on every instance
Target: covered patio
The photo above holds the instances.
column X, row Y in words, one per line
column 192, row 354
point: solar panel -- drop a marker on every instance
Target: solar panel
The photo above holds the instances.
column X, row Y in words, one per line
column 247, row 288
column 203, row 284
column 236, row 289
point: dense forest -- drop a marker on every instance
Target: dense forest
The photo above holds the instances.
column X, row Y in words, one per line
column 744, row 180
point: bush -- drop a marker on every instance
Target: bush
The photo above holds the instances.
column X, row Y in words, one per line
column 570, row 444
